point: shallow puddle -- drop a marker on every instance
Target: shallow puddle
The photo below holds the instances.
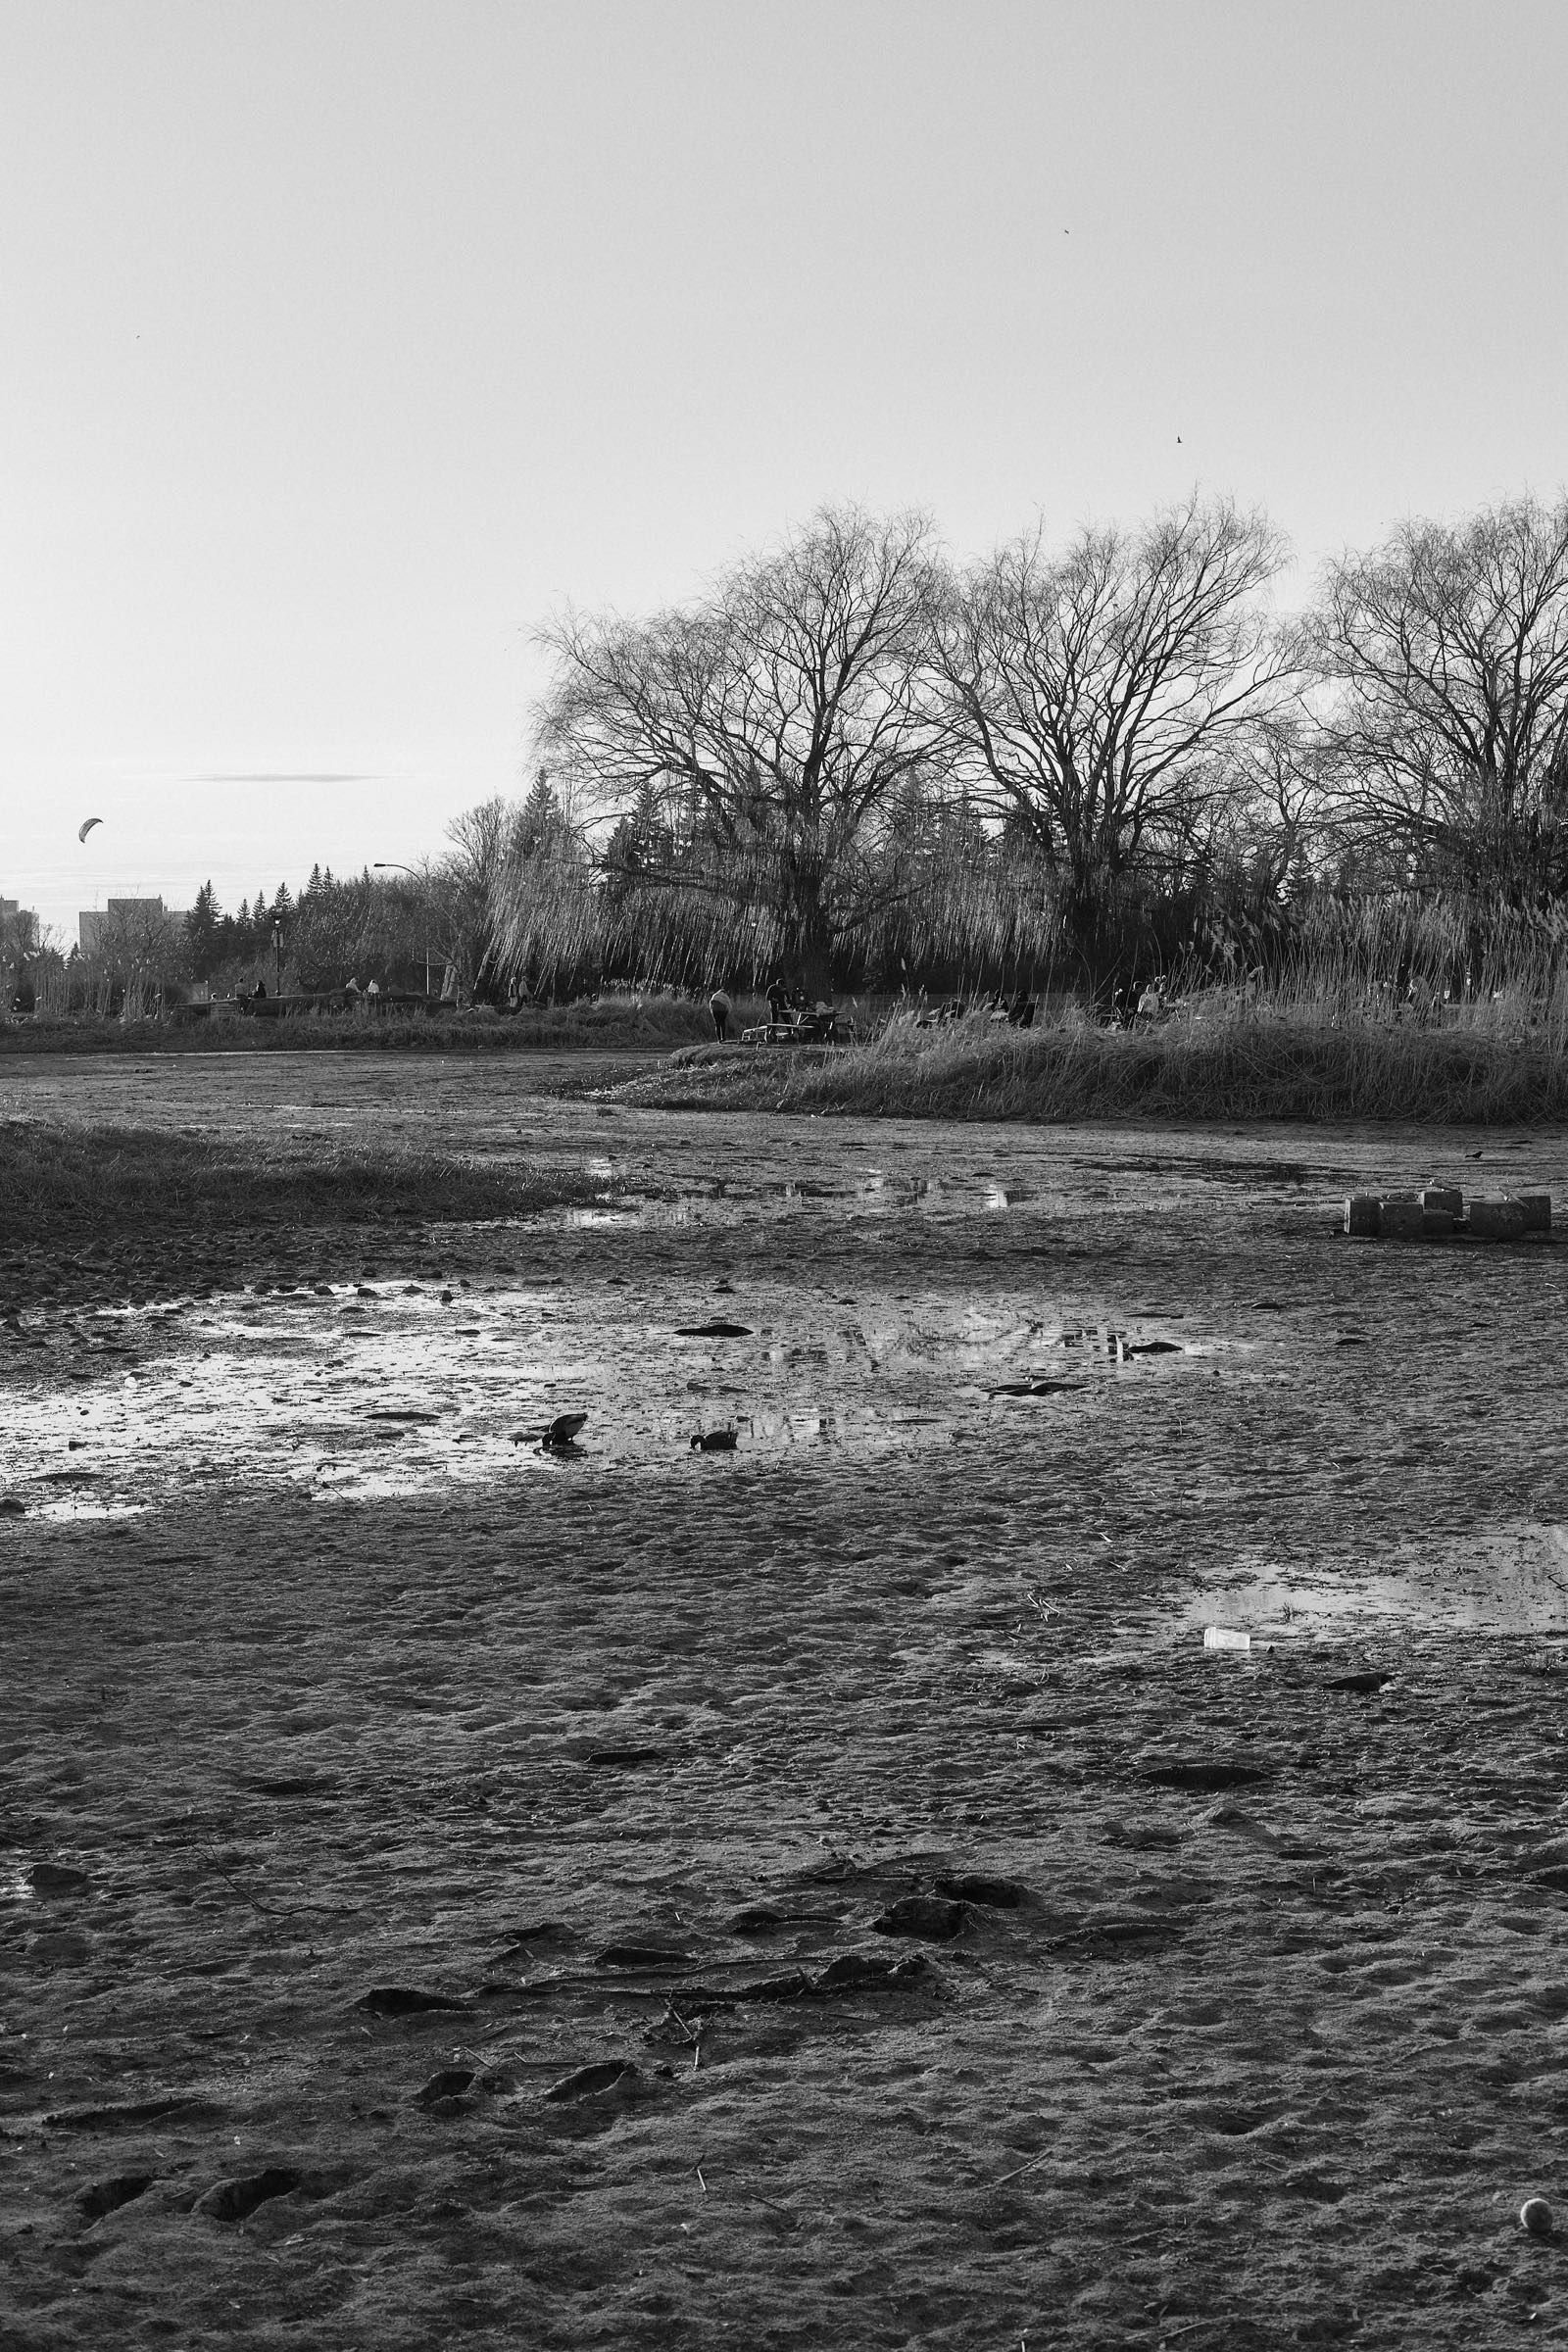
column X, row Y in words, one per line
column 383, row 1391
column 1161, row 1331
column 1503, row 1581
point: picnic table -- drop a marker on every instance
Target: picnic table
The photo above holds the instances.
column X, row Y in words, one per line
column 818, row 1025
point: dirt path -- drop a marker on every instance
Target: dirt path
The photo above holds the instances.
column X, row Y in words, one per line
column 626, row 1753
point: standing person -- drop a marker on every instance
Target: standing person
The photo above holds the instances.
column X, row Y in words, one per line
column 778, row 1004
column 719, row 1005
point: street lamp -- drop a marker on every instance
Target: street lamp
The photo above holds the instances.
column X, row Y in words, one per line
column 277, row 955
column 389, row 865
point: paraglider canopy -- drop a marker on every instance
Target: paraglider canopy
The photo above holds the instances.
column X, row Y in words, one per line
column 89, row 826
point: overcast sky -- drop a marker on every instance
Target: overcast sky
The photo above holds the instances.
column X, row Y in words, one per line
column 339, row 344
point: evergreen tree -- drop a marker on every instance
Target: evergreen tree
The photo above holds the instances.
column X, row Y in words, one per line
column 202, row 936
column 542, row 821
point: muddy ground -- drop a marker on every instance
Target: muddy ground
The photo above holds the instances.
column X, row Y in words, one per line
column 820, row 1891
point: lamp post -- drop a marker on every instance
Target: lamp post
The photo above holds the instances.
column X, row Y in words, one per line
column 277, row 955
column 388, row 865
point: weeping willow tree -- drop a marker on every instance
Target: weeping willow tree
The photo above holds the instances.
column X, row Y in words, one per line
column 1095, row 697
column 730, row 767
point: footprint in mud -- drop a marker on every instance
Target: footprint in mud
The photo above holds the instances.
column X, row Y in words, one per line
column 760, row 1919
column 522, row 1939
column 236, row 2200
column 791, row 1984
column 107, row 2197
column 1116, row 1937
column 589, row 2082
column 404, row 2000
column 1204, row 1779
column 853, row 1970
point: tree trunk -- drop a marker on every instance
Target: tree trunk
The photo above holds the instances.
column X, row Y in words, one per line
column 807, row 924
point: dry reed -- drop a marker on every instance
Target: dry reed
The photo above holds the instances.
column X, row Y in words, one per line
column 1225, row 1055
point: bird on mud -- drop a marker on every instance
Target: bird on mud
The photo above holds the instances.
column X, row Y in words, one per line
column 715, row 1441
column 557, row 1437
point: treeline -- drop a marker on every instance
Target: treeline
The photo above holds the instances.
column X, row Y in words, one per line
column 859, row 762
column 418, row 928
column 360, row 926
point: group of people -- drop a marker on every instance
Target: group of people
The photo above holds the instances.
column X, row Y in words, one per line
column 787, row 1008
column 1018, row 1010
column 1139, row 999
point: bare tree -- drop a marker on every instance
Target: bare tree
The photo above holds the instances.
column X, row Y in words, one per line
column 1264, row 801
column 459, row 891
column 138, row 953
column 1091, row 694
column 758, row 735
column 1446, row 649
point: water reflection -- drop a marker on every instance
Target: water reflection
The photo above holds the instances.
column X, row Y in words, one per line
column 1511, row 1579
column 354, row 1387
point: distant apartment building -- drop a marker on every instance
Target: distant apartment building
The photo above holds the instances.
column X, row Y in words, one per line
column 18, row 939
column 129, row 926
column 19, row 931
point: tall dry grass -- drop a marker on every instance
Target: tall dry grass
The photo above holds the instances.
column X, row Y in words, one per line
column 1222, row 1055
column 633, row 1022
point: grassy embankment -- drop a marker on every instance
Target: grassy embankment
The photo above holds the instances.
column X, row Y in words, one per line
column 64, row 1185
column 629, row 1023
column 1213, row 1060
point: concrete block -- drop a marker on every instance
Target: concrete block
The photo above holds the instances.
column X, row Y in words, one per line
column 1496, row 1218
column 1402, row 1221
column 1537, row 1211
column 1442, row 1199
column 1361, row 1214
